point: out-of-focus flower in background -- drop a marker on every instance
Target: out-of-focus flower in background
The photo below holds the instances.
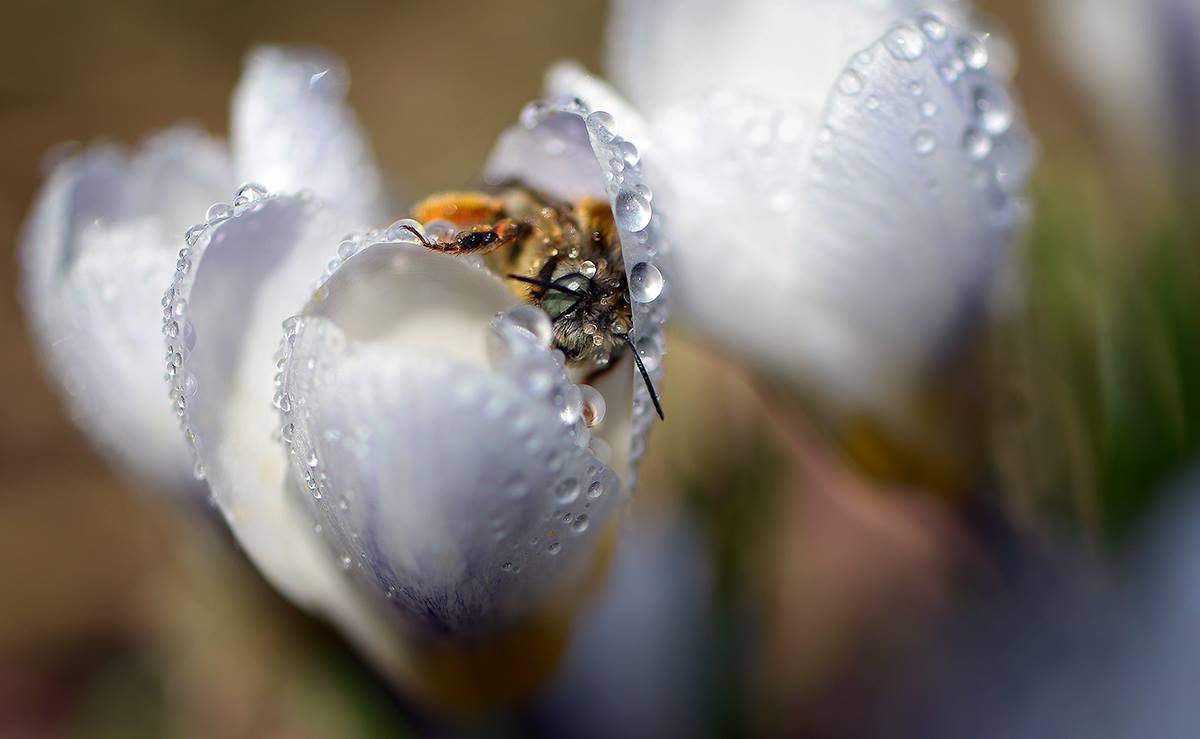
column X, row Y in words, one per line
column 451, row 492
column 845, row 182
column 103, row 238
column 1139, row 63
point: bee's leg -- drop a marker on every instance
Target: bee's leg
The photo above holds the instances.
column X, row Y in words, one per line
column 481, row 239
column 485, row 227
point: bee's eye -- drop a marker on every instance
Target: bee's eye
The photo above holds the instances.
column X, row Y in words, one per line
column 557, row 303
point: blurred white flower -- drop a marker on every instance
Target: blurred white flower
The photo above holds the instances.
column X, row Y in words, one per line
column 843, row 179
column 407, row 455
column 104, row 233
column 1139, row 62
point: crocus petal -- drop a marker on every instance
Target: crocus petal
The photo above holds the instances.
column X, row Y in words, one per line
column 242, row 274
column 291, row 131
column 846, row 249
column 101, row 241
column 456, row 485
column 662, row 52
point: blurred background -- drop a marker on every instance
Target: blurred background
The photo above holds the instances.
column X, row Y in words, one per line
column 771, row 589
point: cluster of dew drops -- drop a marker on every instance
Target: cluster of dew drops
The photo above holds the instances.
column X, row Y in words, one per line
column 178, row 330
column 956, row 57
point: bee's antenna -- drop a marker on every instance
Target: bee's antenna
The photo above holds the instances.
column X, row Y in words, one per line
column 645, row 377
column 547, row 285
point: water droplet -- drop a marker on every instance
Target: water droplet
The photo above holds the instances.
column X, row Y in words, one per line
column 399, row 231
column 851, row 82
column 972, row 52
column 994, row 108
column 924, row 142
column 872, row 102
column 171, row 329
column 251, row 192
column 929, row 109
column 602, row 126
column 645, row 282
column 508, row 567
column 630, row 154
column 193, row 234
column 933, row 27
column 218, row 212
column 595, row 490
column 567, row 491
column 580, row 524
column 554, row 548
column 532, row 321
column 594, row 407
column 288, row 433
column 347, row 249
column 632, row 211
column 905, row 44
column 346, row 561
column 977, row 144
column 649, row 352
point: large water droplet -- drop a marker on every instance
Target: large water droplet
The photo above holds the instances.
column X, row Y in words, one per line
column 631, row 210
column 532, row 321
column 602, row 125
column 645, row 282
column 218, row 212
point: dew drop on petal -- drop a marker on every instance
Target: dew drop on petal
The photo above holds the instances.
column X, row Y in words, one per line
column 580, row 524
column 645, row 282
column 905, row 44
column 595, row 490
column 632, row 211
column 567, row 490
column 594, row 407
column 972, row 52
column 650, row 354
column 554, row 548
column 977, row 144
column 630, row 154
column 218, row 212
column 933, row 27
column 924, row 142
column 602, row 126
column 851, row 82
column 994, row 109
column 533, row 321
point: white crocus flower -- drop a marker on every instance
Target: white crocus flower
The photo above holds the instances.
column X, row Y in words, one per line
column 426, row 477
column 843, row 179
column 1139, row 61
column 407, row 455
column 104, row 234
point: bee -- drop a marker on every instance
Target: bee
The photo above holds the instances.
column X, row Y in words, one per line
column 562, row 257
